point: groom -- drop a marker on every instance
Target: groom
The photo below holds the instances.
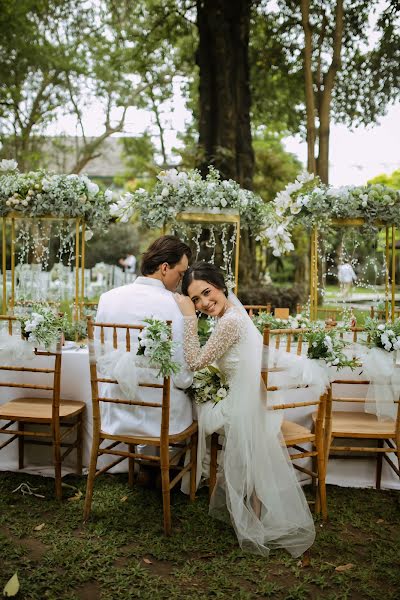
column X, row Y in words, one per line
column 151, row 295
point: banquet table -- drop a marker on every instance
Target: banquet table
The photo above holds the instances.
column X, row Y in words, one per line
column 75, row 385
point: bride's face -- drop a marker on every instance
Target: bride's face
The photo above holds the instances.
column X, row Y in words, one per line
column 207, row 298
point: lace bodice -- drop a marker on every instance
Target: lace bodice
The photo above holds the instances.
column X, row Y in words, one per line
column 221, row 348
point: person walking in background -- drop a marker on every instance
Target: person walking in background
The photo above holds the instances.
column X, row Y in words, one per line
column 346, row 276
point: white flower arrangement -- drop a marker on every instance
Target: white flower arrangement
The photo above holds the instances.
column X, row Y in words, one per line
column 155, row 343
column 309, row 202
column 175, row 192
column 326, row 345
column 209, row 384
column 43, row 327
column 39, row 194
column 264, row 319
column 384, row 335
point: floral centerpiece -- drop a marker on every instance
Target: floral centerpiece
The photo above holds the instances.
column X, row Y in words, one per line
column 309, row 202
column 155, row 343
column 264, row 319
column 208, row 384
column 175, row 192
column 42, row 327
column 384, row 335
column 327, row 346
column 40, row 194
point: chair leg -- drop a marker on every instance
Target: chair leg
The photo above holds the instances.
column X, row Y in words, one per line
column 213, row 463
column 90, row 478
column 57, row 467
column 322, row 486
column 21, row 445
column 379, row 460
column 166, row 496
column 131, row 466
column 193, row 470
column 79, row 445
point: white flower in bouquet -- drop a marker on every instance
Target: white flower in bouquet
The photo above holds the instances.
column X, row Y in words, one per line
column 8, row 165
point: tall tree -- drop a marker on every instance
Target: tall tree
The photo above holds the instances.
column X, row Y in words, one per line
column 336, row 70
column 224, row 116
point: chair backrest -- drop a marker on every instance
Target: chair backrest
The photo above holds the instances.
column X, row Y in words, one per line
column 10, row 322
column 289, row 334
column 281, row 313
column 255, row 309
column 18, row 372
column 285, row 338
column 129, row 332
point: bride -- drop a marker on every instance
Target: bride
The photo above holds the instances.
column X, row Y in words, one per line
column 256, row 485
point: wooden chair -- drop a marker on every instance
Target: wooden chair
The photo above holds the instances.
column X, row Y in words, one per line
column 294, row 435
column 350, row 425
column 253, row 309
column 61, row 417
column 184, row 441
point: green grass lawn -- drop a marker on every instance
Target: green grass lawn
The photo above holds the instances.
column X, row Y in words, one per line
column 121, row 553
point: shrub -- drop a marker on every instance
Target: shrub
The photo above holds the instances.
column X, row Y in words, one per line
column 277, row 296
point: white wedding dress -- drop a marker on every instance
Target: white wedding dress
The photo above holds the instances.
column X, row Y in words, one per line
column 254, row 461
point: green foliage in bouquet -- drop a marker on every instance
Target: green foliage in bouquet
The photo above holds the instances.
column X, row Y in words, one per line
column 327, row 346
column 208, row 384
column 384, row 335
column 155, row 342
column 42, row 327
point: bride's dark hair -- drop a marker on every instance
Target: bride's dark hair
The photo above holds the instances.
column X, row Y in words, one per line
column 205, row 272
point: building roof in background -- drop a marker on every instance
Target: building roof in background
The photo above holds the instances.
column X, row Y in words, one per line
column 61, row 155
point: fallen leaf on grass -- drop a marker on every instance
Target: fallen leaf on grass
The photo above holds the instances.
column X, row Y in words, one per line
column 147, row 561
column 305, row 561
column 124, row 499
column 77, row 496
column 380, row 521
column 39, row 527
column 12, row 587
column 341, row 568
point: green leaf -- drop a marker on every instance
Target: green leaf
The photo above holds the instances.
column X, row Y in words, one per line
column 12, row 587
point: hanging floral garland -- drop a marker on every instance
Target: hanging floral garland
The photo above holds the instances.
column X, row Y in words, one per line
column 175, row 192
column 309, row 202
column 40, row 194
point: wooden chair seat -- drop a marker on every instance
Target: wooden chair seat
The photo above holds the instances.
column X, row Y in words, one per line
column 295, row 433
column 360, row 424
column 38, row 409
column 152, row 441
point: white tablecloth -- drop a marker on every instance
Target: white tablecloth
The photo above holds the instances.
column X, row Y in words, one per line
column 75, row 384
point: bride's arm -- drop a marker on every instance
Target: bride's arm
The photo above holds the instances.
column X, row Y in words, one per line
column 225, row 334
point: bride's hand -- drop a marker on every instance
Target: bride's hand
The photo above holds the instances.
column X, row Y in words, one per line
column 186, row 305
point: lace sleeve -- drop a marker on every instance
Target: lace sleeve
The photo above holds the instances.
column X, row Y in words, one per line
column 226, row 333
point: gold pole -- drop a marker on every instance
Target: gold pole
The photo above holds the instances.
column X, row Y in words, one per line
column 4, row 267
column 314, row 276
column 387, row 276
column 237, row 255
column 393, row 270
column 83, row 270
column 12, row 299
column 76, row 311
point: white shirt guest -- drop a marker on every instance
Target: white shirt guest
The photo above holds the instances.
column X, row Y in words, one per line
column 150, row 295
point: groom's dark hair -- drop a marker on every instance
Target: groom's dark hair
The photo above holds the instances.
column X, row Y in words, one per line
column 206, row 272
column 166, row 249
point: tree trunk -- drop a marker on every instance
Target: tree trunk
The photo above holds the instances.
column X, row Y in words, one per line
column 224, row 122
column 224, row 116
column 309, row 86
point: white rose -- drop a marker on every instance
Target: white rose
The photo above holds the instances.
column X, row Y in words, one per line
column 92, row 188
column 88, row 235
column 165, row 192
column 108, row 195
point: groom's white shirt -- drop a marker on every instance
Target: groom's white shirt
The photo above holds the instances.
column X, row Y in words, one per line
column 131, row 304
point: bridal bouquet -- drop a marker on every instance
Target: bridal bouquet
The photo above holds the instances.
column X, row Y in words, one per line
column 327, row 346
column 43, row 327
column 384, row 335
column 155, row 342
column 208, row 384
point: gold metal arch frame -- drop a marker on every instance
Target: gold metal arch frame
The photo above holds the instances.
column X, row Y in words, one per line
column 390, row 274
column 197, row 217
column 9, row 242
